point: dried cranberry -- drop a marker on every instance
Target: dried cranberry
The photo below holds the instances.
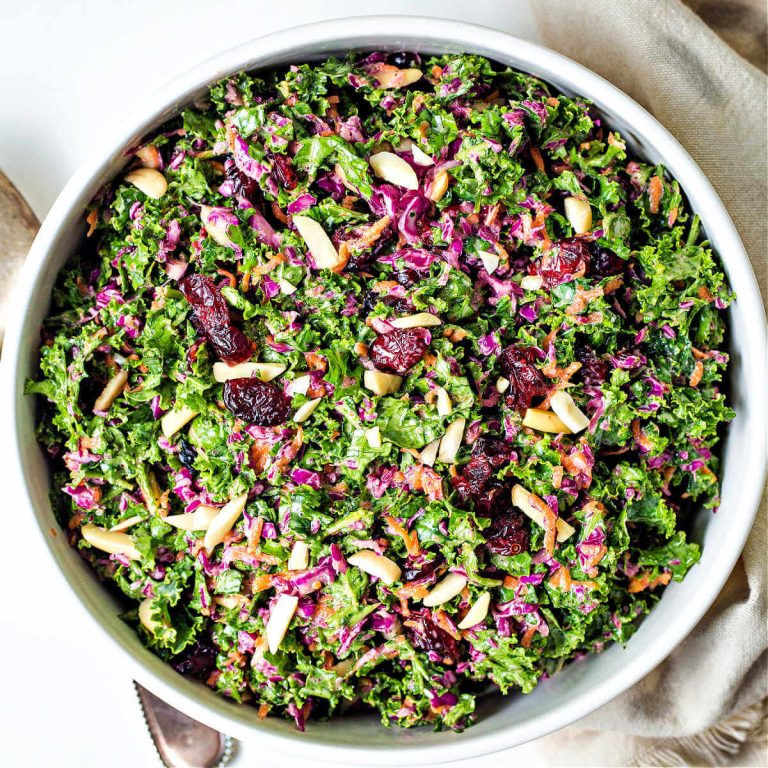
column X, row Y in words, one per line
column 425, row 635
column 399, row 350
column 197, row 661
column 256, row 402
column 507, row 534
column 605, row 262
column 593, row 371
column 473, row 478
column 242, row 185
column 495, row 501
column 187, row 454
column 564, row 262
column 496, row 451
column 525, row 379
column 281, row 167
column 211, row 317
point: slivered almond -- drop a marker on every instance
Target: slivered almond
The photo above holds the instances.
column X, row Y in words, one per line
column 544, row 421
column 111, row 391
column 445, row 590
column 279, row 619
column 395, row 170
column 451, row 441
column 149, row 181
column 477, row 612
column 569, row 413
column 318, row 243
column 439, row 186
column 530, row 504
column 389, row 76
column 502, row 385
column 420, row 157
column 419, row 320
column 380, row 566
column 299, row 559
column 382, row 383
column 264, row 371
column 224, row 521
column 339, row 171
column 150, row 157
column 532, row 282
column 149, row 623
column 306, row 410
column 429, row 455
column 300, row 385
column 228, row 601
column 444, row 404
column 373, row 437
column 490, row 261
column 110, row 541
column 217, row 230
column 175, row 419
column 198, row 520
column 124, row 525
column 579, row 213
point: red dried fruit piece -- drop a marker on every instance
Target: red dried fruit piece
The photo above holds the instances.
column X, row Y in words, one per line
column 507, row 534
column 242, row 185
column 211, row 318
column 281, row 166
column 473, row 478
column 399, row 350
column 257, row 402
column 604, row 262
column 425, row 635
column 525, row 379
column 564, row 262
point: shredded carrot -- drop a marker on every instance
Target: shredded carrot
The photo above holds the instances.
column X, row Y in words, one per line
column 644, row 581
column 527, row 637
column 414, row 591
column 229, row 276
column 277, row 212
column 550, row 529
column 361, row 349
column 698, row 372
column 261, row 582
column 274, row 261
column 442, row 621
column 410, row 538
column 705, row 294
column 561, row 579
column 92, row 219
column 582, row 298
column 640, row 436
column 538, row 160
column 655, row 191
column 263, row 711
column 510, row 582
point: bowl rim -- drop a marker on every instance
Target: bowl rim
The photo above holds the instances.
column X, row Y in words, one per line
column 321, row 38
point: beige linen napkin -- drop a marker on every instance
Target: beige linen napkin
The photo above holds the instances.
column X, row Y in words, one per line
column 708, row 699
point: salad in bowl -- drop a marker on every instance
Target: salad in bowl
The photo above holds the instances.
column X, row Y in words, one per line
column 382, row 381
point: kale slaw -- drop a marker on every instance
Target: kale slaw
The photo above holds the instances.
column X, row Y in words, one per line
column 624, row 315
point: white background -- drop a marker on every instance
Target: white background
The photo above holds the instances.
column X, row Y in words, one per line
column 69, row 71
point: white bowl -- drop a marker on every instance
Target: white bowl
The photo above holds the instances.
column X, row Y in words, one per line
column 579, row 688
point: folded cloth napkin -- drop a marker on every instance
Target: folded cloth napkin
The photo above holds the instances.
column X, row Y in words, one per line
column 708, row 699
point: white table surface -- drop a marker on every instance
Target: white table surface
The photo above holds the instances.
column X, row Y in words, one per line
column 68, row 71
